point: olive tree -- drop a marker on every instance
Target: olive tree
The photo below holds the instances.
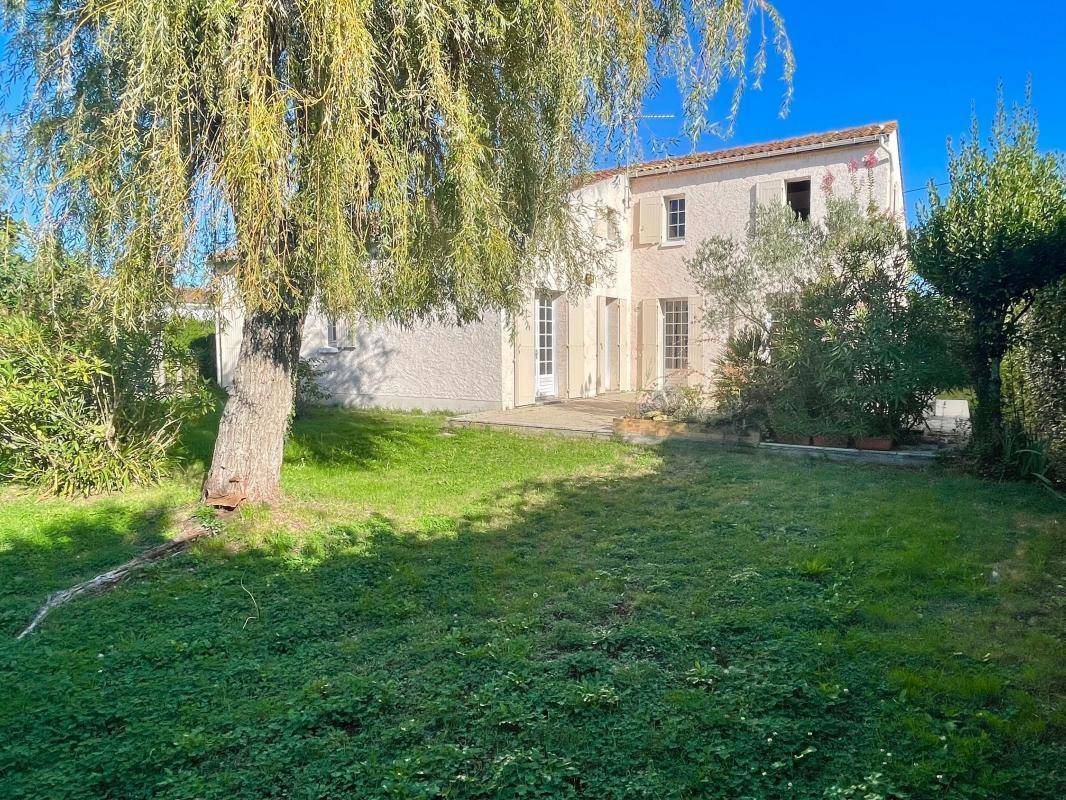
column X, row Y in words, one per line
column 780, row 253
column 988, row 246
column 835, row 335
column 395, row 159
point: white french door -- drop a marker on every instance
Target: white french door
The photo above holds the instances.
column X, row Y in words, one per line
column 544, row 365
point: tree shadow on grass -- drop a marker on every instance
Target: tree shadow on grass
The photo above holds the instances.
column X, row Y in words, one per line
column 326, row 436
column 666, row 633
column 334, row 437
column 67, row 546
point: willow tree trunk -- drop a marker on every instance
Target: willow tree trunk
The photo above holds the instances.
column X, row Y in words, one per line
column 251, row 434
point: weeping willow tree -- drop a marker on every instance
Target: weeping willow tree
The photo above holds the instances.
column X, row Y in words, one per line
column 395, row 159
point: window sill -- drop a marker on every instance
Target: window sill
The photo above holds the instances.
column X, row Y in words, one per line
column 672, row 243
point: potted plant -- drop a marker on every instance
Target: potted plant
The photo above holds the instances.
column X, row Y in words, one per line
column 789, row 424
column 830, row 434
column 873, row 430
column 873, row 442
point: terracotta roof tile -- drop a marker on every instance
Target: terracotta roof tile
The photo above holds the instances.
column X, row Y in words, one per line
column 762, row 149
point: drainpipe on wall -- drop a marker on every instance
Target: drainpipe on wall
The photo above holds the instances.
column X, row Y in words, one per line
column 890, row 200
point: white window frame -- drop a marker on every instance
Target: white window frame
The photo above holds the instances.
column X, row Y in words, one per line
column 339, row 334
column 545, row 349
column 670, row 224
column 677, row 333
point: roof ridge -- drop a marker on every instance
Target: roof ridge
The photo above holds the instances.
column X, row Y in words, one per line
column 756, row 149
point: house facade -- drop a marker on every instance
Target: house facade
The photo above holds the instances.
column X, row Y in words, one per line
column 638, row 329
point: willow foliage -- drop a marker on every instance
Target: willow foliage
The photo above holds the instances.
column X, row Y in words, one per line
column 394, row 157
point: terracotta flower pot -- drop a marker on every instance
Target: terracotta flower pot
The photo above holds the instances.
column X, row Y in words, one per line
column 873, row 442
column 829, row 440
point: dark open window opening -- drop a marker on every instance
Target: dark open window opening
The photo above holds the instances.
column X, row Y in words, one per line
column 798, row 195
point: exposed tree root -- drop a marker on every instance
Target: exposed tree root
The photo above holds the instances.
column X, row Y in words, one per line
column 191, row 530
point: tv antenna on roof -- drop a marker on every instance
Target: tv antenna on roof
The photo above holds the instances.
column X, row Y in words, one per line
column 640, row 118
column 637, row 120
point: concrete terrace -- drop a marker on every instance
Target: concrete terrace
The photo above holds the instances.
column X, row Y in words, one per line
column 587, row 417
column 593, row 418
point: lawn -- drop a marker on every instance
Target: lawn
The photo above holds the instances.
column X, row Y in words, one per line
column 473, row 614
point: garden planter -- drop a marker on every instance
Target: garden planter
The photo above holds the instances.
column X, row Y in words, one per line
column 827, row 440
column 873, row 443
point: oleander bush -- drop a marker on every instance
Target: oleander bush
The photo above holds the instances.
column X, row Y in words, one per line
column 87, row 405
column 837, row 337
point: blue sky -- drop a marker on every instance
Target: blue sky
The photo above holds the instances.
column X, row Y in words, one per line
column 925, row 64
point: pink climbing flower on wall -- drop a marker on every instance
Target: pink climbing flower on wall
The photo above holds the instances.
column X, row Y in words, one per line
column 827, row 183
column 869, row 160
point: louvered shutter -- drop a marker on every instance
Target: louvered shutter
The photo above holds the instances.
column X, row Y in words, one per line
column 650, row 361
column 525, row 392
column 575, row 346
column 650, row 212
column 697, row 369
column 601, row 344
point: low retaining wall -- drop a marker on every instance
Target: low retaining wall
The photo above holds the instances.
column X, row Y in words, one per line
column 650, row 431
column 899, row 458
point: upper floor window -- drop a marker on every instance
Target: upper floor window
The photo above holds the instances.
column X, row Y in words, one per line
column 798, row 197
column 675, row 219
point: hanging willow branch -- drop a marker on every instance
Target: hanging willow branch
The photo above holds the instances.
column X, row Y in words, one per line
column 396, row 158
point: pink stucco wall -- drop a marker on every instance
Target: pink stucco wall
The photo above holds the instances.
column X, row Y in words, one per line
column 720, row 199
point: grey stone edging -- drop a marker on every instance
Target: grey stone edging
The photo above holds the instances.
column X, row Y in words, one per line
column 911, row 458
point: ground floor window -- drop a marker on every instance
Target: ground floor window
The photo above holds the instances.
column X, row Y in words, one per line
column 675, row 334
column 339, row 334
column 333, row 333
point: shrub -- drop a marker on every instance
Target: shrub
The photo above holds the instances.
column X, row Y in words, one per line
column 744, row 385
column 1034, row 384
column 87, row 405
column 309, row 391
column 838, row 339
column 14, row 266
column 862, row 353
column 809, row 378
column 897, row 350
column 1024, row 455
column 682, row 403
column 64, row 425
column 193, row 340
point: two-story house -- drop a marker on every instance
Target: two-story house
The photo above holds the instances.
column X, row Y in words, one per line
column 636, row 331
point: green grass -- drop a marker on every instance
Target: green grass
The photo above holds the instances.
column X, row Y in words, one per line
column 474, row 614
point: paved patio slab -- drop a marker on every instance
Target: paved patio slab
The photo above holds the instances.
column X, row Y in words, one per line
column 587, row 417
